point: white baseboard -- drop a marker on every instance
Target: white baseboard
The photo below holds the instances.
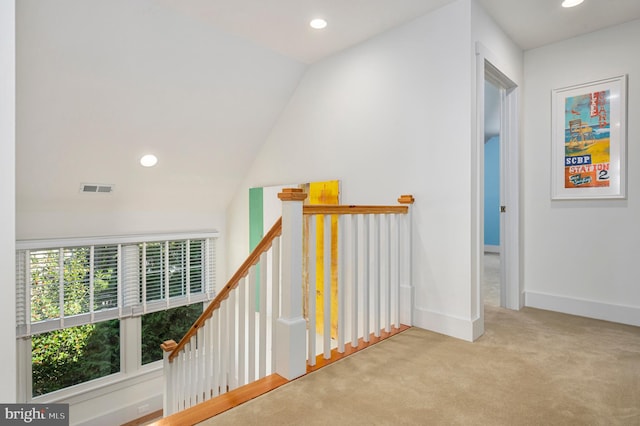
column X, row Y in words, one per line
column 491, row 249
column 585, row 308
column 459, row 328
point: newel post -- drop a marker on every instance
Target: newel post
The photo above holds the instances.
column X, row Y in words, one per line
column 406, row 283
column 169, row 387
column 291, row 327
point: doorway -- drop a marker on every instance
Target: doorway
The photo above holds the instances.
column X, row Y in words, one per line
column 491, row 282
column 508, row 249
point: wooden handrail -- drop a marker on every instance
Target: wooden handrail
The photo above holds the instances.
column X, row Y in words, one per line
column 346, row 209
column 253, row 259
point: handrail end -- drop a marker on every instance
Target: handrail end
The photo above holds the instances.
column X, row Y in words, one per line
column 168, row 345
column 292, row 194
column 406, row 199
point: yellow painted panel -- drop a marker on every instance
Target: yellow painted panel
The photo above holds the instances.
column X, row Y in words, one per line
column 327, row 192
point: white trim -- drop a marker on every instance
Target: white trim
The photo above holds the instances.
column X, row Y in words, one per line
column 488, row 67
column 125, row 414
column 585, row 308
column 449, row 325
column 510, row 182
column 119, row 239
column 102, row 386
column 7, row 194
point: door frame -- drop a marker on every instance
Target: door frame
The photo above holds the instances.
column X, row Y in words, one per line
column 511, row 292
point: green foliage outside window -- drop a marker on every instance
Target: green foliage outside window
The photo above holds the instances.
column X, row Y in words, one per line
column 64, row 358
column 172, row 324
column 69, row 356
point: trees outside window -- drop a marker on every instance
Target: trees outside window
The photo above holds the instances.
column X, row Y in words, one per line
column 171, row 324
column 74, row 355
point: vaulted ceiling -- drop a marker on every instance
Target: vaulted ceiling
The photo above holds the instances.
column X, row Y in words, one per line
column 282, row 25
column 199, row 83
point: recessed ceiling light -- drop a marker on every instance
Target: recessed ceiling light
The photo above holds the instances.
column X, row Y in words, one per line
column 318, row 23
column 571, row 3
column 149, row 160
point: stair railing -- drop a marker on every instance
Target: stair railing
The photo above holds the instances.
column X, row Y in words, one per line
column 256, row 325
column 368, row 289
column 230, row 344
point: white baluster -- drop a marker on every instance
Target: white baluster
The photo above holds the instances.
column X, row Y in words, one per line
column 242, row 331
column 366, row 253
column 202, row 377
column 182, row 384
column 376, row 281
column 231, row 345
column 311, row 295
column 208, row 358
column 355, row 294
column 387, row 272
column 341, row 284
column 395, row 271
column 193, row 368
column 275, row 297
column 224, row 338
column 262, row 359
column 215, row 354
column 251, row 321
column 327, row 290
column 188, row 384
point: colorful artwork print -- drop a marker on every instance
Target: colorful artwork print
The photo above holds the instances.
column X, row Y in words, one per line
column 587, row 140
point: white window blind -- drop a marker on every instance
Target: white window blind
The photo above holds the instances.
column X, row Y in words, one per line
column 67, row 283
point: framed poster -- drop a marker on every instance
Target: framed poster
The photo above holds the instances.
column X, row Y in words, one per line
column 589, row 140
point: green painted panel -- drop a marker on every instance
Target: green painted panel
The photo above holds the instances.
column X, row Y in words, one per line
column 256, row 230
column 256, row 225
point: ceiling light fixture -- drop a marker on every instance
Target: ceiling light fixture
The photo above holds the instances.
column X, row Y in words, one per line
column 571, row 3
column 318, row 23
column 149, row 160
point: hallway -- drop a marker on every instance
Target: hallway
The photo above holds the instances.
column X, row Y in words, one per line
column 491, row 279
column 530, row 367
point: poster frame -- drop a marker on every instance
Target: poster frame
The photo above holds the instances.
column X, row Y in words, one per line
column 570, row 178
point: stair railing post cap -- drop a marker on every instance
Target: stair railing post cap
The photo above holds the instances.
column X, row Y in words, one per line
column 292, row 194
column 406, row 199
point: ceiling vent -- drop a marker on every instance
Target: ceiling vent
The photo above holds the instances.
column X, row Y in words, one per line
column 96, row 187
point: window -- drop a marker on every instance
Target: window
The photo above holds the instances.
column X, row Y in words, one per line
column 171, row 270
column 161, row 326
column 74, row 355
column 77, row 301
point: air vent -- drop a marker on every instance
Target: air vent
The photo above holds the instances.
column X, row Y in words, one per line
column 96, row 187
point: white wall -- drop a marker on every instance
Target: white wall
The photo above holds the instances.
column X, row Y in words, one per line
column 504, row 53
column 7, row 201
column 389, row 117
column 581, row 256
column 102, row 82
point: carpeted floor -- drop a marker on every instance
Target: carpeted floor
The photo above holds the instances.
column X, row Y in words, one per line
column 531, row 367
column 491, row 279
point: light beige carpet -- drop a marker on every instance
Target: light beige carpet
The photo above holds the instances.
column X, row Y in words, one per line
column 491, row 279
column 531, row 367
